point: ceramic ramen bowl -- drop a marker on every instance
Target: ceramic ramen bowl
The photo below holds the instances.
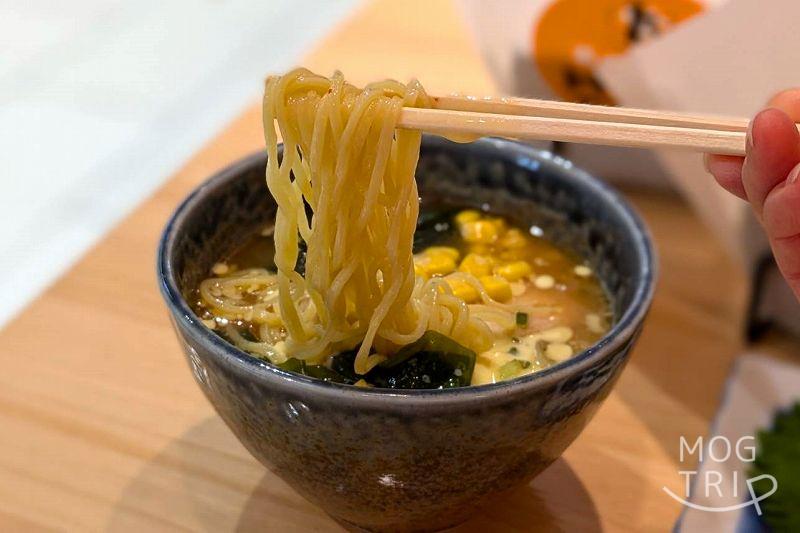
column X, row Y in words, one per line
column 397, row 460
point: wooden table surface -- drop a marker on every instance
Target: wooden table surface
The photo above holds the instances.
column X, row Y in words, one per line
column 102, row 426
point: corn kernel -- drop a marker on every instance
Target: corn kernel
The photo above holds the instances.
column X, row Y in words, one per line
column 465, row 291
column 513, row 238
column 518, row 288
column 448, row 251
column 220, row 269
column 511, row 254
column 480, row 231
column 558, row 351
column 436, row 265
column 559, row 334
column 500, row 223
column 481, row 249
column 514, row 271
column 476, row 264
column 594, row 322
column 496, row 287
column 467, row 215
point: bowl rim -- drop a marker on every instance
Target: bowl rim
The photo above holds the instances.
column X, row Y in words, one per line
column 252, row 367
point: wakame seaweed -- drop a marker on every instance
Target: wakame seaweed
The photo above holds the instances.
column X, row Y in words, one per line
column 433, row 227
column 300, row 266
column 298, row 366
column 434, row 361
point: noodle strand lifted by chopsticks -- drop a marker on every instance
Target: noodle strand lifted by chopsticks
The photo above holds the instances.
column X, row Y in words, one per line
column 345, row 159
column 345, row 186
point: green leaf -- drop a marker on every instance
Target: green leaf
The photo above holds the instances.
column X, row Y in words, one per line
column 779, row 456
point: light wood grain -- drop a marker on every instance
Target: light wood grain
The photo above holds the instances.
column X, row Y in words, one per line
column 534, row 107
column 102, row 427
column 468, row 124
column 467, row 117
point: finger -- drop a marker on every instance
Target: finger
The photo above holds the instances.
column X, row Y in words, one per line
column 773, row 149
column 727, row 170
column 782, row 208
column 788, row 260
column 787, row 256
column 781, row 214
column 782, row 223
column 787, row 101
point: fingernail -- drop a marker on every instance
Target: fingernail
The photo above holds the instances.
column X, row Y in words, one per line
column 705, row 163
column 793, row 174
column 751, row 143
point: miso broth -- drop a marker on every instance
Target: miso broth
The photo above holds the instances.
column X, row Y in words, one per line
column 567, row 309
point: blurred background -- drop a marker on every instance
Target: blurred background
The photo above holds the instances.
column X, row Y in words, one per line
column 102, row 100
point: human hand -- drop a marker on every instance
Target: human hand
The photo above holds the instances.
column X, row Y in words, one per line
column 768, row 178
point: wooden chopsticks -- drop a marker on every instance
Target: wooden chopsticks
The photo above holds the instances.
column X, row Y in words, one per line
column 467, row 117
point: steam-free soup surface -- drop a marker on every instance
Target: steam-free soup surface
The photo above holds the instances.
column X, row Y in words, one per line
column 563, row 307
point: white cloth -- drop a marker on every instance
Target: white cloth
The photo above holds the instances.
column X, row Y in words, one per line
column 104, row 99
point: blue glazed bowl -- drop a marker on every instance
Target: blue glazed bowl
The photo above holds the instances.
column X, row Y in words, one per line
column 407, row 460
